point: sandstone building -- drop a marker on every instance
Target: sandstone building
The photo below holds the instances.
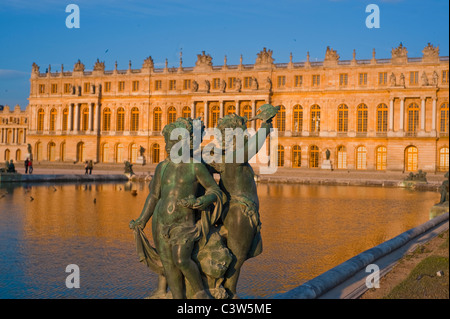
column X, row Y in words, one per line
column 371, row 114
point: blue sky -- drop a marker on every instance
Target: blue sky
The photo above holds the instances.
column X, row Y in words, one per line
column 120, row 30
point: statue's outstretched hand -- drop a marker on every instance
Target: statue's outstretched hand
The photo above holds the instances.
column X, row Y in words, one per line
column 133, row 223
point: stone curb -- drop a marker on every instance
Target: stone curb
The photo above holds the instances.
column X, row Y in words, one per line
column 19, row 178
column 321, row 284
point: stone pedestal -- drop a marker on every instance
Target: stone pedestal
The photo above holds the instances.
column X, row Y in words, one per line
column 140, row 160
column 326, row 164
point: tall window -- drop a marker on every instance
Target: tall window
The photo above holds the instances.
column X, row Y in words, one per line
column 186, row 84
column 134, row 151
column 51, row 152
column 120, row 120
column 121, row 86
column 361, row 158
column 343, row 79
column 443, row 118
column 214, row 115
column 105, row 153
column 157, row 119
column 186, row 112
column 315, row 119
column 171, row 115
column 298, row 118
column 343, row 118
column 155, row 153
column 413, row 77
column 172, row 85
column 445, row 77
column 443, row 159
column 411, row 159
column 296, row 156
column 107, row 87
column 298, row 81
column 362, row 78
column 80, row 152
column 119, row 153
column 106, row 119
column 40, row 120
column 53, row 115
column 281, row 81
column 381, row 158
column 231, row 82
column 316, row 80
column 135, row 86
column 87, row 87
column 280, row 155
column 41, row 88
column 342, row 157
column 134, row 119
column 382, row 118
column 216, row 83
column 247, row 82
column 313, row 156
column 413, row 118
column 362, row 114
column 54, row 88
column 66, row 88
column 85, row 119
column 38, row 150
column 158, row 85
column 65, row 119
column 382, row 78
column 281, row 119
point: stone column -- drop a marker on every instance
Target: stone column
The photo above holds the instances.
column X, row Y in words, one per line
column 13, row 135
column 96, row 114
column 193, row 110
column 221, row 106
column 391, row 114
column 433, row 117
column 238, row 108
column 91, row 110
column 206, row 113
column 422, row 115
column 254, row 114
column 402, row 113
column 77, row 117
column 70, row 124
column 24, row 135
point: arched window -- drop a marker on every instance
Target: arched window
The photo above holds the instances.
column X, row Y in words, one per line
column 85, row 119
column 157, row 119
column 119, row 153
column 382, row 118
column 280, row 155
column 62, row 152
column 315, row 119
column 411, row 159
column 342, row 118
column 40, row 120
column 298, row 118
column 381, row 158
column 214, row 115
column 106, row 119
column 120, row 120
column 134, row 127
column 280, row 119
column 51, row 151
column 231, row 109
column 413, row 118
column 38, row 149
column 7, row 155
column 80, row 152
column 105, row 153
column 171, row 115
column 313, row 156
column 53, row 115
column 155, row 153
column 296, row 156
column 342, row 157
column 362, row 118
column 186, row 112
column 65, row 119
column 443, row 118
column 443, row 159
column 247, row 112
column 134, row 153
column 361, row 157
column 18, row 155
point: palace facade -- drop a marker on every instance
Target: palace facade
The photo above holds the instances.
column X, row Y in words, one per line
column 371, row 114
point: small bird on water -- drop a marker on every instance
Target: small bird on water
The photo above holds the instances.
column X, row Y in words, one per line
column 31, row 198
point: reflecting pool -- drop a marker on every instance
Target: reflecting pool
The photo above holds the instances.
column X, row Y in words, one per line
column 306, row 230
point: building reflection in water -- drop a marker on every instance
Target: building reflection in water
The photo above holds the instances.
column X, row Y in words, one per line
column 306, row 230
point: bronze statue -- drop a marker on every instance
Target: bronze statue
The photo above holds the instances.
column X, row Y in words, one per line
column 178, row 194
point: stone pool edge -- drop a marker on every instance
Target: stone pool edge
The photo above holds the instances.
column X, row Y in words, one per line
column 42, row 178
column 320, row 285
